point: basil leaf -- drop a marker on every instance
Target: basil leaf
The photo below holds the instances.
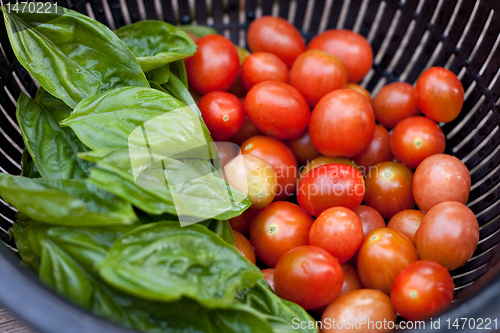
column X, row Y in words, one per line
column 221, row 228
column 65, row 201
column 165, row 262
column 28, row 167
column 156, row 43
column 28, row 242
column 71, row 55
column 54, row 149
column 199, row 30
column 159, row 75
column 178, row 68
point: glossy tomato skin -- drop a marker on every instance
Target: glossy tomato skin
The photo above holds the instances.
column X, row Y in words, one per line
column 448, row 234
column 382, row 255
column 356, row 309
column 339, row 231
column 351, row 279
column 369, row 217
column 247, row 130
column 351, row 47
column 303, row 148
column 322, row 160
column 438, row 178
column 268, row 275
column 241, row 223
column 337, row 118
column 277, row 36
column 308, row 276
column 360, row 89
column 244, row 246
column 280, row 157
column 315, row 73
column 406, row 222
column 389, row 188
column 263, row 66
column 414, row 139
column 377, row 151
column 422, row 289
column 395, row 102
column 214, row 66
column 330, row 185
column 278, row 228
column 440, row 94
column 223, row 114
column 277, row 109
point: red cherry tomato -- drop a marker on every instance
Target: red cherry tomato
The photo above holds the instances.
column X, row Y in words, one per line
column 440, row 94
column 369, row 217
column 268, row 275
column 277, row 109
column 247, row 130
column 439, row 178
column 214, row 66
column 339, row 231
column 308, row 276
column 378, row 150
column 242, row 222
column 360, row 89
column 395, row 102
column 416, row 138
column 448, row 234
column 223, row 114
column 315, row 73
column 275, row 35
column 330, row 185
column 351, row 47
column 342, row 123
column 244, row 246
column 422, row 289
column 263, row 66
column 382, row 255
column 351, row 279
column 278, row 228
column 281, row 159
column 389, row 188
column 359, row 311
column 406, row 222
column 303, row 148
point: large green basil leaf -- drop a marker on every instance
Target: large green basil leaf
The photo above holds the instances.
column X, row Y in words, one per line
column 165, row 262
column 65, row 201
column 71, row 55
column 156, row 43
column 28, row 240
column 178, row 68
column 280, row 313
column 53, row 149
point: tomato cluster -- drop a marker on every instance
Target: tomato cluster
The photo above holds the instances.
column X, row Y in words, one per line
column 348, row 192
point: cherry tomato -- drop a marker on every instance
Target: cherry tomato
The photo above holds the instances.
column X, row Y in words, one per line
column 254, row 177
column 389, row 188
column 244, row 246
column 281, row 159
column 242, row 222
column 277, row 109
column 223, row 114
column 382, row 255
column 330, row 185
column 369, row 217
column 268, row 275
column 322, row 160
column 278, row 228
column 275, row 35
column 303, row 148
column 360, row 89
column 339, row 231
column 359, row 311
column 422, row 289
column 308, row 276
column 406, row 222
column 247, row 130
column 395, row 102
column 342, row 123
column 351, row 47
column 315, row 73
column 351, row 279
column 440, row 94
column 263, row 66
column 378, row 150
column 214, row 66
column 439, row 178
column 416, row 138
column 448, row 234
column 226, row 151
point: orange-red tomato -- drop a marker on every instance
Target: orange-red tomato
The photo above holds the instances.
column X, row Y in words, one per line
column 351, row 279
column 395, row 102
column 242, row 222
column 303, row 148
column 268, row 275
column 244, row 246
column 247, row 130
column 360, row 89
column 377, row 151
column 263, row 66
column 223, row 114
column 406, row 222
column 369, row 217
column 382, row 255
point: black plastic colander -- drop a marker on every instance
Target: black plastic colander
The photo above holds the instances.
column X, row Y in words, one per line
column 407, row 37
